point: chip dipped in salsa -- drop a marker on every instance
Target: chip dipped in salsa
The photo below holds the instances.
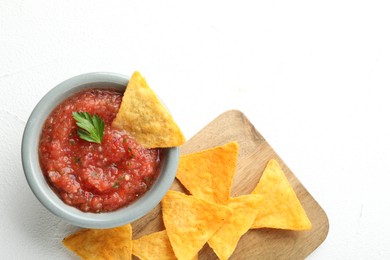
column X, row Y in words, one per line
column 95, row 177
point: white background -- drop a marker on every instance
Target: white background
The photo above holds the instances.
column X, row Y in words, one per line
column 312, row 77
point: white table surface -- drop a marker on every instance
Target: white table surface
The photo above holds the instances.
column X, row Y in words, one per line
column 312, row 77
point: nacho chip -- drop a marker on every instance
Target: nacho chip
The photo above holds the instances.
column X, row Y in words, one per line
column 190, row 222
column 154, row 246
column 209, row 174
column 281, row 208
column 245, row 209
column 113, row 243
column 144, row 116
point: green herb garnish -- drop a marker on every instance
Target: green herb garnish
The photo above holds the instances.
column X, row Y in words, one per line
column 91, row 128
column 77, row 160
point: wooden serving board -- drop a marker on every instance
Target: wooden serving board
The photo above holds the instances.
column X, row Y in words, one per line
column 254, row 154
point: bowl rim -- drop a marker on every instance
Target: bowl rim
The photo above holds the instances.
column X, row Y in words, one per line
column 38, row 183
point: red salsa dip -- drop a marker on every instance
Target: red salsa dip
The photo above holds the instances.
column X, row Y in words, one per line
column 90, row 176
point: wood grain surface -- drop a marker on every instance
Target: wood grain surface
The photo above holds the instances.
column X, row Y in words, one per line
column 253, row 156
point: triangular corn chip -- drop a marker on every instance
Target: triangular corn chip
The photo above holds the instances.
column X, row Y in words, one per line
column 245, row 209
column 209, row 174
column 113, row 243
column 142, row 115
column 154, row 246
column 281, row 208
column 190, row 222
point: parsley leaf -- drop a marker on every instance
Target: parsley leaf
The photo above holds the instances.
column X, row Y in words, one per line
column 90, row 129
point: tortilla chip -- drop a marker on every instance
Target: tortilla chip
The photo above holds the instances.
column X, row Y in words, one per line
column 209, row 174
column 281, row 208
column 154, row 246
column 113, row 243
column 245, row 209
column 142, row 115
column 190, row 222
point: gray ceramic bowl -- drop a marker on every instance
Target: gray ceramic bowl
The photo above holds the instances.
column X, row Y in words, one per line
column 37, row 181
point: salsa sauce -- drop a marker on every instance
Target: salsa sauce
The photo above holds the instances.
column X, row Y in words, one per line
column 89, row 176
